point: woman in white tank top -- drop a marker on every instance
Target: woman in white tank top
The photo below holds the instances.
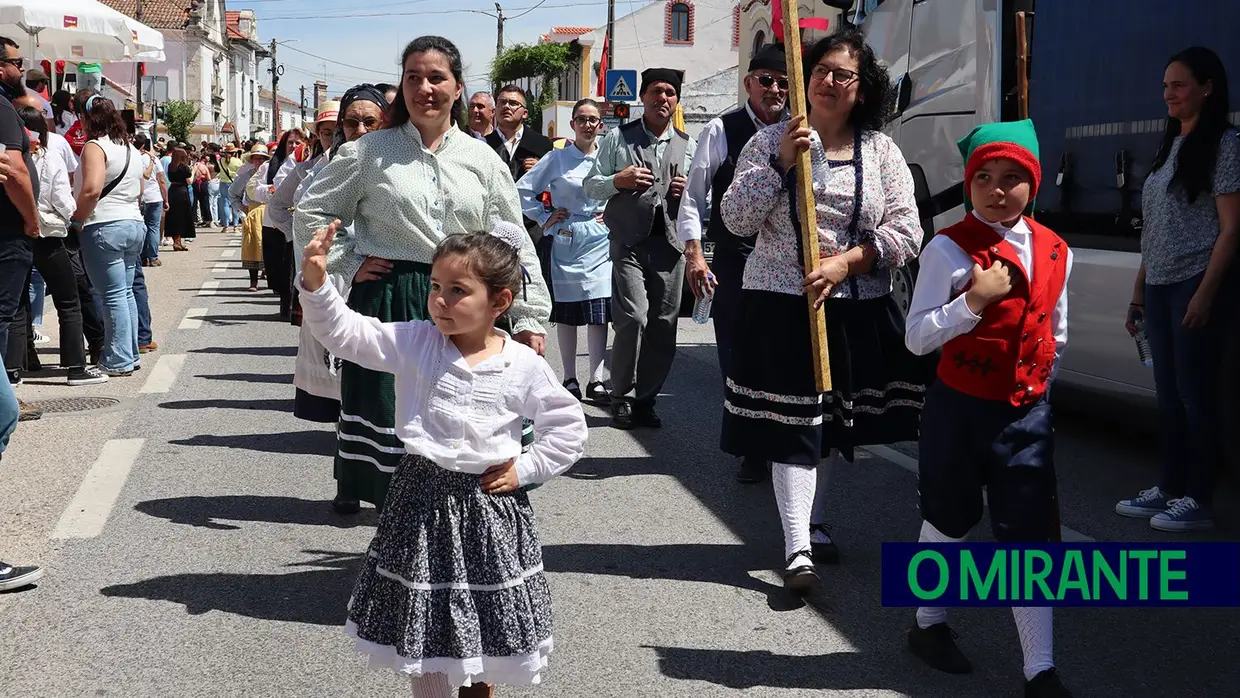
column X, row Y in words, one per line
column 108, row 223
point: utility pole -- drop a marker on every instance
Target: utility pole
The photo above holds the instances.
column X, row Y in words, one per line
column 499, row 29
column 276, row 69
column 611, row 30
column 139, row 69
column 303, row 104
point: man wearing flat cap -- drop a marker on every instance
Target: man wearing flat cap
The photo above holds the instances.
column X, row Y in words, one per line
column 640, row 171
column 719, row 148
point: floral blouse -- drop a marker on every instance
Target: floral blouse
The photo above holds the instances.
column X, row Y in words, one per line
column 758, row 203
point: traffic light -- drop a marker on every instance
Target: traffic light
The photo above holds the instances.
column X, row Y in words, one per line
column 160, row 112
column 622, row 111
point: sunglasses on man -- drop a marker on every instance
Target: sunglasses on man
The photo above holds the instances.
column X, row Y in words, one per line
column 767, row 80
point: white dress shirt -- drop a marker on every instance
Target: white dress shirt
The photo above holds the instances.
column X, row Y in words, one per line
column 56, row 202
column 462, row 418
column 712, row 152
column 510, row 144
column 279, row 214
column 938, row 312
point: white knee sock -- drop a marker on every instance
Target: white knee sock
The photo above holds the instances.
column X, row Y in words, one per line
column 567, row 336
column 931, row 615
column 794, row 495
column 596, row 340
column 826, row 469
column 1035, row 627
column 431, row 686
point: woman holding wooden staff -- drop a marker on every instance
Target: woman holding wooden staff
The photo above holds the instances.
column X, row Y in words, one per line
column 867, row 227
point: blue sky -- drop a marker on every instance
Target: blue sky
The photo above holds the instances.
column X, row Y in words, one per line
column 369, row 36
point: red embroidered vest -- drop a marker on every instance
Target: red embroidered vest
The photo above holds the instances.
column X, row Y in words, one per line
column 1008, row 355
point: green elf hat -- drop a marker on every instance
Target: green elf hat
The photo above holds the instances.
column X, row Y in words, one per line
column 1014, row 140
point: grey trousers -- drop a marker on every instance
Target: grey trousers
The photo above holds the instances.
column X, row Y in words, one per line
column 646, row 281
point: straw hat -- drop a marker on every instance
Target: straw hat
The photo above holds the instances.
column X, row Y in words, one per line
column 259, row 149
column 230, row 148
column 328, row 111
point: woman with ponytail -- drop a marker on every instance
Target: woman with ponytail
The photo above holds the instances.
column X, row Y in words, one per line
column 401, row 190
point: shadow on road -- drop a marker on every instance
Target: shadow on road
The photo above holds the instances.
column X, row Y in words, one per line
column 278, row 378
column 297, row 597
column 248, row 351
column 209, row 512
column 273, row 405
column 312, row 442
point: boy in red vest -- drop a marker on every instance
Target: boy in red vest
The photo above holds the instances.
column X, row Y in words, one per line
column 992, row 294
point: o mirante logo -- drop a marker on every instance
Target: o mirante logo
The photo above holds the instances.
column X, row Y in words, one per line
column 1061, row 574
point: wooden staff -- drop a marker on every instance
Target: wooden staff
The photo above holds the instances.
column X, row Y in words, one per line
column 805, row 191
column 1022, row 66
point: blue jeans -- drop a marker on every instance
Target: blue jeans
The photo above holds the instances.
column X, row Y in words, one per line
column 141, row 300
column 1187, row 366
column 223, row 209
column 38, row 293
column 8, row 413
column 152, row 214
column 110, row 252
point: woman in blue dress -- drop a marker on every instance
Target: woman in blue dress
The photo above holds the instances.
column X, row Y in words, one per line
column 551, row 194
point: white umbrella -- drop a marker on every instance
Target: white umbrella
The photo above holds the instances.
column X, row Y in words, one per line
column 74, row 30
column 148, row 43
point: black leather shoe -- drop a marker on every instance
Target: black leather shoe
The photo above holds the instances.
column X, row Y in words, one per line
column 936, row 646
column 802, row 577
column 622, row 415
column 1046, row 685
column 346, row 506
column 753, row 470
column 645, row 416
column 824, row 553
column 573, row 387
column 597, row 393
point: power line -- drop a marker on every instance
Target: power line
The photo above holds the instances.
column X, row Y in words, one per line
column 540, row 4
column 329, row 60
column 423, row 13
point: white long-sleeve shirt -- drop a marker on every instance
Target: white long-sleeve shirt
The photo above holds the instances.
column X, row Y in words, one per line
column 462, row 418
column 280, row 204
column 711, row 153
column 256, row 191
column 56, row 201
column 939, row 313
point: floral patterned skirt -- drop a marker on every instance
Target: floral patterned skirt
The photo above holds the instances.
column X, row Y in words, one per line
column 453, row 582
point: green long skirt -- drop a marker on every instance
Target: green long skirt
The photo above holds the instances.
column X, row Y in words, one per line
column 368, row 450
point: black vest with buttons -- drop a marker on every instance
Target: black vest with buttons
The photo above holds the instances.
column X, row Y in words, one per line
column 738, row 128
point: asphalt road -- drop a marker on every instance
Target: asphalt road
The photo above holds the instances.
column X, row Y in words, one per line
column 191, row 550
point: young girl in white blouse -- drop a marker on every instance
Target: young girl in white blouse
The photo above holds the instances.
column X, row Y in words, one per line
column 452, row 591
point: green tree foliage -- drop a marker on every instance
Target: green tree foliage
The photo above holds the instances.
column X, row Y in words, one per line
column 547, row 61
column 179, row 116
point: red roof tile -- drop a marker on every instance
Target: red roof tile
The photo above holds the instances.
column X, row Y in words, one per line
column 572, row 31
column 157, row 14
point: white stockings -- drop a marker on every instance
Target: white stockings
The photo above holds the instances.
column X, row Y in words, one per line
column 431, row 686
column 800, row 492
column 596, row 341
column 1034, row 625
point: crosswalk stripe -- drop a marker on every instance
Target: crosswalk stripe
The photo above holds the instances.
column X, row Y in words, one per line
column 193, row 319
column 164, row 374
column 88, row 512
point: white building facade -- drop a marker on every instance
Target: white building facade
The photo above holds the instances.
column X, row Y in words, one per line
column 246, row 53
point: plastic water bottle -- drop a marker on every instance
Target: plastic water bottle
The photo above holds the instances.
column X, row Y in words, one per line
column 1143, row 344
column 701, row 308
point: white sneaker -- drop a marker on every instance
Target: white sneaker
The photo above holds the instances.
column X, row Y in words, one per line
column 40, row 338
column 1183, row 514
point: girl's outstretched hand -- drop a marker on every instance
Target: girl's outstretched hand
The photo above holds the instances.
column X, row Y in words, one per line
column 314, row 257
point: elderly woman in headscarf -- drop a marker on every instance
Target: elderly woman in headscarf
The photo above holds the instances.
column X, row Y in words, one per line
column 317, row 373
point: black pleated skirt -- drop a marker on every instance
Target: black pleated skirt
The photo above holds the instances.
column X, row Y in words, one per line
column 773, row 410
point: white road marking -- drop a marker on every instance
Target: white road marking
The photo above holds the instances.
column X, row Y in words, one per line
column 235, row 242
column 910, row 464
column 87, row 514
column 164, row 374
column 209, row 288
column 228, row 254
column 221, row 266
column 193, row 319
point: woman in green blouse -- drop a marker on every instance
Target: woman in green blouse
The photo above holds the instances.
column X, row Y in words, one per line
column 403, row 189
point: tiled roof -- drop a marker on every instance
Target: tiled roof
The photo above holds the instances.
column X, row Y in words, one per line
column 572, row 31
column 232, row 21
column 157, row 14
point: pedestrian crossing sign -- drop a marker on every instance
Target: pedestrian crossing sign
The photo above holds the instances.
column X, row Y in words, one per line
column 621, row 85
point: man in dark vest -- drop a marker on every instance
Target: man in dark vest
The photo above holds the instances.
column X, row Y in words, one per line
column 713, row 167
column 640, row 171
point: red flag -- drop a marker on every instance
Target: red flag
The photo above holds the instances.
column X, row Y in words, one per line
column 777, row 21
column 601, row 88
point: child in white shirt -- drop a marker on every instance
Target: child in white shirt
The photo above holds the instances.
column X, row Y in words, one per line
column 452, row 591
